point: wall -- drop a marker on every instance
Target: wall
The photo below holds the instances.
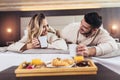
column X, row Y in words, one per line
column 111, row 16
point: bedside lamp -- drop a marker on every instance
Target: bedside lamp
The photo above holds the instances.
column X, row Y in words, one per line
column 114, row 29
column 9, row 31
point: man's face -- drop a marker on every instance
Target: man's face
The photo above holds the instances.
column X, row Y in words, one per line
column 85, row 28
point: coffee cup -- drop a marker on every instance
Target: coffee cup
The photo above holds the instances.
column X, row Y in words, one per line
column 43, row 41
column 72, row 49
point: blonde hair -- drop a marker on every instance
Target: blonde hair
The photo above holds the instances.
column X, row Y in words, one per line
column 35, row 26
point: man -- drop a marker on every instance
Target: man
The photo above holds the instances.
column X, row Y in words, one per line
column 90, row 37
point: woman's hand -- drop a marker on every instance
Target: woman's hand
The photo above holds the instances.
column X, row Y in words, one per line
column 34, row 44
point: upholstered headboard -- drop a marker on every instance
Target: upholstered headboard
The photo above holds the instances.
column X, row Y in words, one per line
column 57, row 22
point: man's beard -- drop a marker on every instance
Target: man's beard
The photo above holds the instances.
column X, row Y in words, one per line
column 88, row 33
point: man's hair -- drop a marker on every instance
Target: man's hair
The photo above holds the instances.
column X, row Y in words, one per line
column 93, row 19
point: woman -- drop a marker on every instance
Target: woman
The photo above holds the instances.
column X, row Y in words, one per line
column 38, row 27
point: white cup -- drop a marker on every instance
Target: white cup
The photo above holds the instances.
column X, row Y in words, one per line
column 43, row 41
column 72, row 49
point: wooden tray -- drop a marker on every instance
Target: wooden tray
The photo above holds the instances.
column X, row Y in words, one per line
column 91, row 70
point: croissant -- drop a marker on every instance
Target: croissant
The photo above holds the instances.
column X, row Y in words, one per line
column 60, row 62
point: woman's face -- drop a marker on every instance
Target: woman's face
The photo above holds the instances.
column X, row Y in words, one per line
column 45, row 27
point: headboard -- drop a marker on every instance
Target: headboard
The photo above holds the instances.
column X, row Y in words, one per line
column 57, row 22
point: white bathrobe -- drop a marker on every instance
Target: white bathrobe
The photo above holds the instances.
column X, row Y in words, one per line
column 53, row 42
column 103, row 42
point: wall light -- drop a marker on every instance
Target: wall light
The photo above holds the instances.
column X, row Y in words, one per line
column 9, row 30
column 114, row 30
column 114, row 27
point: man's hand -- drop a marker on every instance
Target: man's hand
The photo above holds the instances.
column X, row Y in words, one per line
column 85, row 51
column 82, row 50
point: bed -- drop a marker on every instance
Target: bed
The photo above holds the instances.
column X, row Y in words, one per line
column 8, row 58
column 112, row 63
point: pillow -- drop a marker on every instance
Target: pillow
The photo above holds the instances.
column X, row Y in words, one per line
column 45, row 51
column 3, row 49
column 118, row 45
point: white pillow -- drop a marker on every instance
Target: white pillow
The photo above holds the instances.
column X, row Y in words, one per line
column 3, row 49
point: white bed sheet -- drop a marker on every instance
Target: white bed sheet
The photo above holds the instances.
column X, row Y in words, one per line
column 8, row 59
column 111, row 63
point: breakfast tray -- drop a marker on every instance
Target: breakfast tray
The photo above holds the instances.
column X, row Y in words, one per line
column 91, row 70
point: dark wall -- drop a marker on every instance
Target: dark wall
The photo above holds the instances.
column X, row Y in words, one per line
column 111, row 16
column 9, row 20
column 12, row 19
